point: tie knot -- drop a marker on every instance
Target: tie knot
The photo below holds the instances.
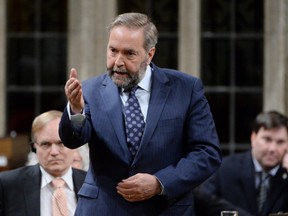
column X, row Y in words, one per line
column 264, row 175
column 132, row 90
column 58, row 183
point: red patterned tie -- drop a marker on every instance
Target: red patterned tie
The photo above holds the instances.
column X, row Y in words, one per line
column 59, row 201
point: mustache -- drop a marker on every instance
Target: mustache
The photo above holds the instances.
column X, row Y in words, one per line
column 121, row 70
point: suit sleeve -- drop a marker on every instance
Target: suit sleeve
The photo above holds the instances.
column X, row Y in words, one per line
column 202, row 154
column 73, row 136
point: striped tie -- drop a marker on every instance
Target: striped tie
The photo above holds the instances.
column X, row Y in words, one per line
column 59, row 203
column 263, row 188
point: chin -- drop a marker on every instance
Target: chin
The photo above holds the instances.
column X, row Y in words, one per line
column 119, row 82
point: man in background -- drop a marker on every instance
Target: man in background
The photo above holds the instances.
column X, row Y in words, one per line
column 255, row 180
column 29, row 190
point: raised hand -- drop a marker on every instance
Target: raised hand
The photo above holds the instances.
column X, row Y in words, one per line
column 73, row 91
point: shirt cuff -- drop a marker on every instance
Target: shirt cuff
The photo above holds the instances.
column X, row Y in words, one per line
column 76, row 119
column 162, row 187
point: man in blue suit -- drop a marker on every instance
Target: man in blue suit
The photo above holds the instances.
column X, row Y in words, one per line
column 179, row 147
column 238, row 181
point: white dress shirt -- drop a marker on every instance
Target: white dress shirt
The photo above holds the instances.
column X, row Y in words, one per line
column 46, row 193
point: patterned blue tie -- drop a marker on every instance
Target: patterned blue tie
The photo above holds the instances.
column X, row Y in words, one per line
column 134, row 122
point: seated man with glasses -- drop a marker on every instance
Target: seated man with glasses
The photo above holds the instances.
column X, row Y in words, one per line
column 49, row 187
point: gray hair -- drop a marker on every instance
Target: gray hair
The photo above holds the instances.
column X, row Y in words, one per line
column 137, row 21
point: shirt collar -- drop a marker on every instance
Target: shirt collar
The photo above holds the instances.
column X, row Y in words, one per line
column 47, row 178
column 145, row 83
column 258, row 168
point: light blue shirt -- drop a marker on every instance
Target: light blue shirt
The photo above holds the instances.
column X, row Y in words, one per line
column 259, row 169
column 142, row 93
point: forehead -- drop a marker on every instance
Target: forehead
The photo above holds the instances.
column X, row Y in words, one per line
column 123, row 36
column 280, row 132
column 49, row 130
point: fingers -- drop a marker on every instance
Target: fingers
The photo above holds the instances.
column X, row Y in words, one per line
column 137, row 188
column 73, row 73
column 73, row 91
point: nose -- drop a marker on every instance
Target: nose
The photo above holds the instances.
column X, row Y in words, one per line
column 55, row 149
column 119, row 61
column 273, row 146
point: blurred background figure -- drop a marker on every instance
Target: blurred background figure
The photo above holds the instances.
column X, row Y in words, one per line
column 81, row 158
column 255, row 180
column 30, row 190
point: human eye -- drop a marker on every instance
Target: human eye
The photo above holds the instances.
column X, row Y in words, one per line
column 112, row 50
column 60, row 143
column 281, row 142
column 45, row 144
column 267, row 139
column 131, row 54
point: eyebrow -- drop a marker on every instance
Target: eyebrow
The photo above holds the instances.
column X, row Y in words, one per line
column 50, row 142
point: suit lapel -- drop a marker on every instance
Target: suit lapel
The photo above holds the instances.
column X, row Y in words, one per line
column 113, row 106
column 31, row 187
column 110, row 97
column 248, row 181
column 277, row 186
column 159, row 93
column 78, row 180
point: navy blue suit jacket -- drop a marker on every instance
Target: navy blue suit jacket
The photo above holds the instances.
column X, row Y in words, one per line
column 235, row 182
column 20, row 190
column 179, row 145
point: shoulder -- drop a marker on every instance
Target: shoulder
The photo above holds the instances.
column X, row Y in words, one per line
column 94, row 84
column 176, row 78
column 79, row 173
column 235, row 160
column 95, row 80
column 173, row 73
column 237, row 156
column 19, row 173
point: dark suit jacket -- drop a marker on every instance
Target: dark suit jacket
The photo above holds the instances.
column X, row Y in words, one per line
column 20, row 190
column 235, row 182
column 179, row 145
column 210, row 205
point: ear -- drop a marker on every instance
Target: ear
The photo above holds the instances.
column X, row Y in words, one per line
column 151, row 54
column 33, row 149
column 252, row 138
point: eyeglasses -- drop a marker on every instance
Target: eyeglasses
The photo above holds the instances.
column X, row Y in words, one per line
column 45, row 145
